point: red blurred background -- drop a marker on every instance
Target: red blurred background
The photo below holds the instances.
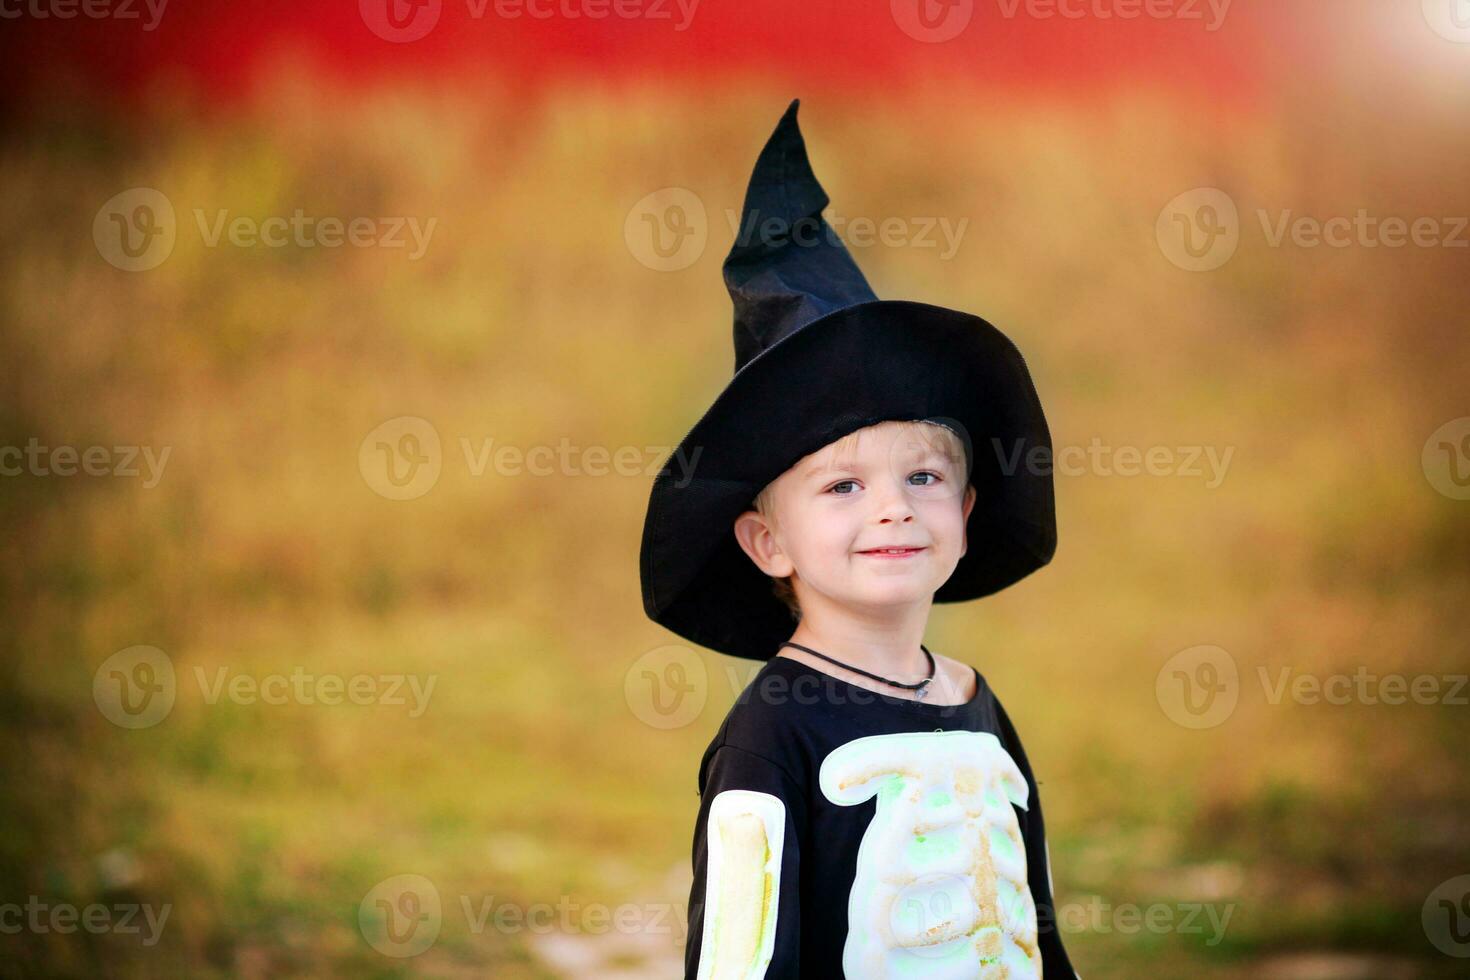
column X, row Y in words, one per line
column 222, row 48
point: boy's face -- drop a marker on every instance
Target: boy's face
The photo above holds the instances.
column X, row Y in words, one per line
column 892, row 485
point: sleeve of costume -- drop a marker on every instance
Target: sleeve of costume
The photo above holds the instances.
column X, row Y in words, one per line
column 744, row 908
column 1054, row 961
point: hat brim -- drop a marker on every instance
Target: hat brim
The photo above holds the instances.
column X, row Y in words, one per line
column 872, row 362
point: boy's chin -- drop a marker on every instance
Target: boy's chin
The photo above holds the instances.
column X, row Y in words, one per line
column 893, row 595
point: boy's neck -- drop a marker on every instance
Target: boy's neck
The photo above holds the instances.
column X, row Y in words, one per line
column 889, row 646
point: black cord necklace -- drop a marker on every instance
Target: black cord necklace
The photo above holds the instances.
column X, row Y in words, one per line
column 920, row 689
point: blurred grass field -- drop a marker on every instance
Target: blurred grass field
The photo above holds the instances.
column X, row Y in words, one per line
column 529, row 778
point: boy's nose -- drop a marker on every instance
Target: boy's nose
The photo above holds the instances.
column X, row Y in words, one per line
column 893, row 505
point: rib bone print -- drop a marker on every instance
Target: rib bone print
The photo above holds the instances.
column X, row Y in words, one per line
column 941, row 887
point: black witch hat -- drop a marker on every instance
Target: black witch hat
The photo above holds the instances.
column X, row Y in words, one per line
column 818, row 356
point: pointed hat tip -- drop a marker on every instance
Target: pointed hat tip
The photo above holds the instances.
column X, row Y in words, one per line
column 788, row 118
column 787, row 266
column 782, row 183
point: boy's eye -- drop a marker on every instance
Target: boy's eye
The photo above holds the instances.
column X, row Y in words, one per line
column 933, row 477
column 840, row 483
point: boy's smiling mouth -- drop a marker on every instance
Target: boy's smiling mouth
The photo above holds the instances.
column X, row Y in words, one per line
column 891, row 552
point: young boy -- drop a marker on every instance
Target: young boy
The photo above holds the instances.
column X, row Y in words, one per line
column 867, row 809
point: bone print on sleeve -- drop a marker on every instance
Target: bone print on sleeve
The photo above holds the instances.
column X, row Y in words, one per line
column 743, row 913
column 742, row 891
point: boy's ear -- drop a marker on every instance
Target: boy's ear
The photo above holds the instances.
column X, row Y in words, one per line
column 753, row 532
column 965, row 508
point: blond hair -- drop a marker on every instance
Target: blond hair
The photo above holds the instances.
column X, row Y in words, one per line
column 934, row 435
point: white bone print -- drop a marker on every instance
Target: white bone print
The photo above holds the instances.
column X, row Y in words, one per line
column 941, row 889
column 746, row 833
